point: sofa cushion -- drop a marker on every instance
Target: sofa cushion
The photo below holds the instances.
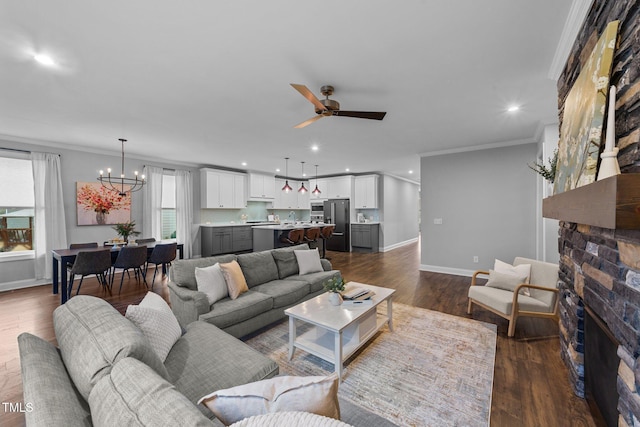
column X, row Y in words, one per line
column 227, row 311
column 284, row 292
column 93, row 336
column 258, row 267
column 183, row 271
column 133, row 395
column 316, row 280
column 286, row 262
column 206, row 358
column 47, row 385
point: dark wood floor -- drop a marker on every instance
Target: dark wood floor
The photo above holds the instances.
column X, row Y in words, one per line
column 530, row 387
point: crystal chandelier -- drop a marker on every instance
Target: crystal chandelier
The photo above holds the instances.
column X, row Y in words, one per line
column 118, row 184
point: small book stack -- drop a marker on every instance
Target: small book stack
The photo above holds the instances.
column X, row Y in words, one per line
column 357, row 297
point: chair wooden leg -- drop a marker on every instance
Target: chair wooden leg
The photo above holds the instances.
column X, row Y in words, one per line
column 512, row 325
column 469, row 306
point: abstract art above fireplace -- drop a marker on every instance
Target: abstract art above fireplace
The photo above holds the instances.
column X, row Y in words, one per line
column 584, row 108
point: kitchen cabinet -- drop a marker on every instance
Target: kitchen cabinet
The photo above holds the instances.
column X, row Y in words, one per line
column 339, row 187
column 366, row 192
column 242, row 238
column 365, row 237
column 261, row 186
column 216, row 240
column 322, row 186
column 222, row 189
column 292, row 199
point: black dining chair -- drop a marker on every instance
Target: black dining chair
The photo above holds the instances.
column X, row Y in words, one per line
column 130, row 257
column 162, row 254
column 91, row 262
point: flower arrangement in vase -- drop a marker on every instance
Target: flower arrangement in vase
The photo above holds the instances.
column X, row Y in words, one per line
column 126, row 229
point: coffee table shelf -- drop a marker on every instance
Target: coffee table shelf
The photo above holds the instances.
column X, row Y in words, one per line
column 338, row 331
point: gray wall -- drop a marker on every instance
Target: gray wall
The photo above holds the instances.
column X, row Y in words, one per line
column 399, row 212
column 487, row 202
column 84, row 166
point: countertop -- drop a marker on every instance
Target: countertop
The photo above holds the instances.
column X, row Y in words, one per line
column 280, row 227
column 236, row 224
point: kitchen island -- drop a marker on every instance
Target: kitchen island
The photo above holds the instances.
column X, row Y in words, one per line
column 267, row 237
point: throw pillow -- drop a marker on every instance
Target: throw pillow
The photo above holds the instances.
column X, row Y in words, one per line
column 309, row 261
column 157, row 322
column 508, row 282
column 236, row 282
column 318, row 395
column 211, row 281
column 518, row 270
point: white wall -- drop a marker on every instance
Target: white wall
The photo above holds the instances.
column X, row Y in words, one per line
column 399, row 213
column 487, row 202
column 84, row 166
column 547, row 228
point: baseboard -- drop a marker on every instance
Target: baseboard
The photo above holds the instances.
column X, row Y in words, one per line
column 398, row 245
column 19, row 284
column 447, row 270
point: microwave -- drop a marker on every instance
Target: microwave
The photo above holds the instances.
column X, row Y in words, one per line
column 317, row 208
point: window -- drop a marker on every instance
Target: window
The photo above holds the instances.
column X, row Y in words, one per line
column 16, row 205
column 168, row 206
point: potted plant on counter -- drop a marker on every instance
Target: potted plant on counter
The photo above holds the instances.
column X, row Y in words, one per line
column 334, row 286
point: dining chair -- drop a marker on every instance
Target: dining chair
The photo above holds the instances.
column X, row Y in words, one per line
column 162, row 254
column 130, row 257
column 91, row 262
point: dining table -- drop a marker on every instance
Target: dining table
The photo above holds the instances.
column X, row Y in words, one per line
column 62, row 258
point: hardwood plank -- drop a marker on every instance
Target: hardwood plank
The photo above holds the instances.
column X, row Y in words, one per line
column 531, row 386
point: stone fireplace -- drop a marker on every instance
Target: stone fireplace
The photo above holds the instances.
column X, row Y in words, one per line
column 600, row 264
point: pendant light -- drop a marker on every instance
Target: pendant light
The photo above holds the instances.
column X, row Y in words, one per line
column 302, row 188
column 286, row 187
column 118, row 184
column 316, row 190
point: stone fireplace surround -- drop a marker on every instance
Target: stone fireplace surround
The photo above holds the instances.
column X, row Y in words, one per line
column 600, row 267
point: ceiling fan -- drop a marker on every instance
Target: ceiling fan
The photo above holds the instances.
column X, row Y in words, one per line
column 330, row 107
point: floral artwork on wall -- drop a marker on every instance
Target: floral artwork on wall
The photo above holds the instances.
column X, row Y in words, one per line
column 583, row 117
column 97, row 205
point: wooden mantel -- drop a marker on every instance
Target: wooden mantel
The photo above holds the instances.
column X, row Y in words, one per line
column 611, row 203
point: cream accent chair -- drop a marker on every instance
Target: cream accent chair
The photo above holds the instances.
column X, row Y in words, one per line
column 543, row 301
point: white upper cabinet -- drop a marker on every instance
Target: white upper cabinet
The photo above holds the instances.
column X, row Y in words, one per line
column 222, row 190
column 261, row 186
column 339, row 187
column 366, row 192
column 293, row 199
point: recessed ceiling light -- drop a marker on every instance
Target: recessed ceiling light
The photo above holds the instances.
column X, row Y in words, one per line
column 513, row 108
column 304, row 174
column 244, row 163
column 44, row 59
column 314, row 147
column 346, row 170
column 277, row 169
column 410, row 172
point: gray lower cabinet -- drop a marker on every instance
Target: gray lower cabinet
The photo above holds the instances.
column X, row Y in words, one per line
column 225, row 240
column 365, row 237
column 242, row 239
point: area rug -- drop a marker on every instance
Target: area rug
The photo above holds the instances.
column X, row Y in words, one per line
column 435, row 369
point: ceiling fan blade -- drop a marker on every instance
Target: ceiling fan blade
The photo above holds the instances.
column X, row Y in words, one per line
column 308, row 122
column 374, row 115
column 304, row 91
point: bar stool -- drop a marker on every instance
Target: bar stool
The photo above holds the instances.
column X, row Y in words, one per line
column 311, row 236
column 325, row 234
column 292, row 237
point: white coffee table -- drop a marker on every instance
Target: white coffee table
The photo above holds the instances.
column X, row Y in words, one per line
column 339, row 331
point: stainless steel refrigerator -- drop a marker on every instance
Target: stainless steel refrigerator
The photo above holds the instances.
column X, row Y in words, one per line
column 336, row 211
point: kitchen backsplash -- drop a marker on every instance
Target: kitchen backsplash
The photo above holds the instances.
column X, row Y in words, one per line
column 254, row 211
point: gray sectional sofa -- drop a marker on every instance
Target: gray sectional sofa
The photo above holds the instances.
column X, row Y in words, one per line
column 274, row 285
column 106, row 373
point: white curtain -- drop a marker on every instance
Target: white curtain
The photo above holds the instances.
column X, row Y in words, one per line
column 184, row 210
column 152, row 203
column 49, row 230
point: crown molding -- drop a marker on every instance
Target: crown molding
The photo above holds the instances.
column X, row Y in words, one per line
column 577, row 14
